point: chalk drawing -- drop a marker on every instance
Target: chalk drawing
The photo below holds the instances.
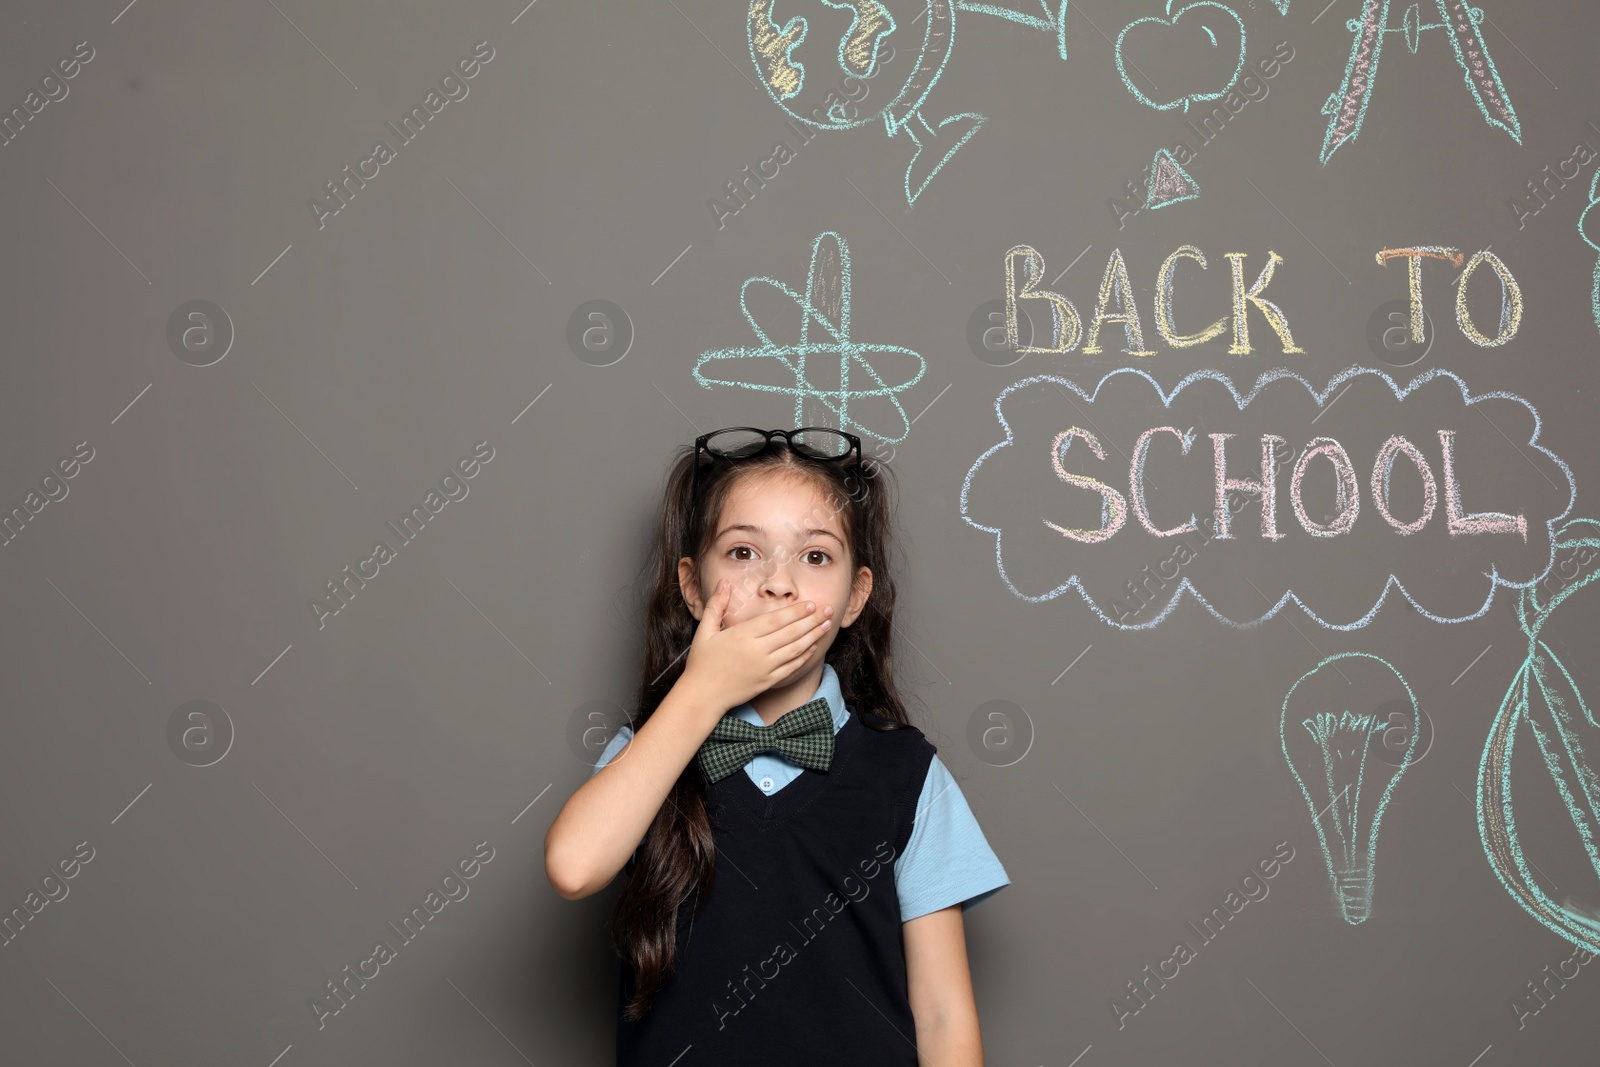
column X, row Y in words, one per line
column 1114, row 284
column 781, row 48
column 1510, row 291
column 1066, row 327
column 1334, row 754
column 1171, row 19
column 825, row 306
column 1510, row 301
column 1592, row 239
column 1053, row 19
column 1346, row 108
column 1113, row 507
column 1164, row 325
column 1544, row 695
column 1169, row 182
column 1460, row 524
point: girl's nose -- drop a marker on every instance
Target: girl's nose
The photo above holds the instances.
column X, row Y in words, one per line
column 778, row 584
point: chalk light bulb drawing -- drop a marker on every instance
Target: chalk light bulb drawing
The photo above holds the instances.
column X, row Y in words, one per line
column 1336, row 755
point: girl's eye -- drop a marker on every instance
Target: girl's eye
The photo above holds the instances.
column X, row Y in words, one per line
column 826, row 557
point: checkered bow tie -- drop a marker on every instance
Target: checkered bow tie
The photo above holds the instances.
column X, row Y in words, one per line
column 804, row 735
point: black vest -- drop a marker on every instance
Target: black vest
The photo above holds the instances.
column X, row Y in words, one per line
column 796, row 955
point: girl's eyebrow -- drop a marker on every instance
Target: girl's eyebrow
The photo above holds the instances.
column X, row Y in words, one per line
column 815, row 531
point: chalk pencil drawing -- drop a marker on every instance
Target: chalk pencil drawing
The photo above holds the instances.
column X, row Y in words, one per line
column 1335, row 754
column 1169, row 182
column 1171, row 19
column 1346, row 108
column 783, row 48
column 824, row 310
column 1589, row 230
column 1544, row 695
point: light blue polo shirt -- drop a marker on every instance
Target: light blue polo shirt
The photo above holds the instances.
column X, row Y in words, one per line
column 947, row 860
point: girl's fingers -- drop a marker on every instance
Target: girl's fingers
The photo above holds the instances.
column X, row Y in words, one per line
column 798, row 648
column 786, row 670
column 801, row 627
column 716, row 604
column 789, row 621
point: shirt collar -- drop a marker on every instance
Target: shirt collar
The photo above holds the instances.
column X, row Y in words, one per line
column 828, row 690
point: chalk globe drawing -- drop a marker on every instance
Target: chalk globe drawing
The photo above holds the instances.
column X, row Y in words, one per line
column 805, row 50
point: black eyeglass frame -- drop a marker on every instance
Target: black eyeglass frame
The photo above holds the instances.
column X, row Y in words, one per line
column 788, row 438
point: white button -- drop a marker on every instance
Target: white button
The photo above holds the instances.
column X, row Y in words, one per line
column 766, row 784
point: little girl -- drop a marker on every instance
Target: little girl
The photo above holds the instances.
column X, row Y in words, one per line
column 796, row 857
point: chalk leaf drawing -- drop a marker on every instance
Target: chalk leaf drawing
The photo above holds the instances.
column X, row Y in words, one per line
column 824, row 331
column 1202, row 13
column 1346, row 108
column 1336, row 755
column 1544, row 695
column 1589, row 230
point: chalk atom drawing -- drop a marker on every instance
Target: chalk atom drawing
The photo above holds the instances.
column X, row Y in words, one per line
column 824, row 331
column 1169, row 182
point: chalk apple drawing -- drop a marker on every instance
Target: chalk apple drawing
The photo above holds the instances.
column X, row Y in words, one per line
column 1172, row 20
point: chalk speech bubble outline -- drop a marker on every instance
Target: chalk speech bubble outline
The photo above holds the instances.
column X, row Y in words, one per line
column 1266, row 378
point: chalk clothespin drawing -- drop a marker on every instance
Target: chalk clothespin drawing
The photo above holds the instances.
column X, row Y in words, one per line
column 795, row 65
column 1336, row 756
column 1201, row 13
column 1169, row 182
column 1347, row 107
column 1544, row 695
column 824, row 330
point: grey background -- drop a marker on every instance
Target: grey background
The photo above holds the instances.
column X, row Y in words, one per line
column 369, row 756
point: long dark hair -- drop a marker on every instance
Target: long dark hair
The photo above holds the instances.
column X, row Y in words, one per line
column 676, row 858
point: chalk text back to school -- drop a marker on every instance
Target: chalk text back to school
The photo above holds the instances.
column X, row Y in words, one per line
column 1115, row 304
